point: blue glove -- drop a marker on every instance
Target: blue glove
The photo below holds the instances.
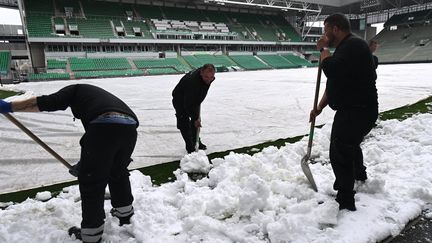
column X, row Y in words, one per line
column 5, row 107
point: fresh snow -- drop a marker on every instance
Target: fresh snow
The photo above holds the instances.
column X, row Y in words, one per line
column 258, row 198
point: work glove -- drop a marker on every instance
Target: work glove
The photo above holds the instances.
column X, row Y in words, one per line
column 75, row 169
column 5, row 107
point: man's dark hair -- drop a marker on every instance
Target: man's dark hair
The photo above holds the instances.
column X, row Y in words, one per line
column 340, row 21
column 208, row 65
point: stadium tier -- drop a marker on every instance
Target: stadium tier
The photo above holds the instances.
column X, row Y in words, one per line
column 86, row 64
column 106, row 74
column 161, row 63
column 300, row 61
column 406, row 38
column 98, row 19
column 48, row 76
column 277, row 61
column 4, row 62
column 249, row 62
column 218, row 60
column 56, row 64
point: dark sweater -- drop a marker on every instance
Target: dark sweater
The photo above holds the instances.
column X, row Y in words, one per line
column 351, row 75
column 189, row 94
column 86, row 102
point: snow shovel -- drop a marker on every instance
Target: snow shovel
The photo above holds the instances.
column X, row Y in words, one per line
column 305, row 160
column 37, row 140
column 198, row 132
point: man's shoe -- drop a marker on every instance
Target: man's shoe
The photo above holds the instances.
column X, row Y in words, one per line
column 350, row 207
column 76, row 232
column 123, row 220
column 202, row 146
column 346, row 201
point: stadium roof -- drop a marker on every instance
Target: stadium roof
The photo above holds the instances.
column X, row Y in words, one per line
column 328, row 6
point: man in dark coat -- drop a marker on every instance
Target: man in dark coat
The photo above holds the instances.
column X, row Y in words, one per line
column 188, row 95
column 373, row 46
column 352, row 93
column 106, row 147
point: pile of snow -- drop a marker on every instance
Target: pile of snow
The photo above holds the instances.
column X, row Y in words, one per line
column 43, row 196
column 259, row 198
column 196, row 162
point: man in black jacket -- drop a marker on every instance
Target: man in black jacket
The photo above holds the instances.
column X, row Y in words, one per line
column 187, row 98
column 351, row 92
column 373, row 46
column 109, row 140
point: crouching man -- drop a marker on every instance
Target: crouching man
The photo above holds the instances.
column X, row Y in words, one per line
column 188, row 95
column 106, row 147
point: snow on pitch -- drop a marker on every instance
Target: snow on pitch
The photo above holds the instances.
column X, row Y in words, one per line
column 258, row 198
column 242, row 109
column 245, row 198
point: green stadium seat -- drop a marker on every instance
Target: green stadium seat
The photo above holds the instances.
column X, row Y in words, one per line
column 98, row 64
column 56, row 64
column 173, row 63
column 249, row 62
column 5, row 58
column 48, row 76
column 277, row 61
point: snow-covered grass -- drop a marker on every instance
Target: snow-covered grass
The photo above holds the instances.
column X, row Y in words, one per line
column 242, row 109
column 259, row 198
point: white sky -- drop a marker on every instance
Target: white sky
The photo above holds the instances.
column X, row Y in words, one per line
column 9, row 16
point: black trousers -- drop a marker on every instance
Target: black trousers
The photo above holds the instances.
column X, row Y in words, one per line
column 187, row 128
column 350, row 126
column 105, row 155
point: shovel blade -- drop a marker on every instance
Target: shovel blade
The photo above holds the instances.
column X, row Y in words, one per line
column 308, row 173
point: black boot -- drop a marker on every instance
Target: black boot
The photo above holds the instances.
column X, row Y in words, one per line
column 76, row 232
column 123, row 220
column 202, row 146
column 346, row 200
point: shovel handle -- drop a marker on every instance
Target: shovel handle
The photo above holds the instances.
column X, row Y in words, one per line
column 198, row 131
column 36, row 139
column 315, row 104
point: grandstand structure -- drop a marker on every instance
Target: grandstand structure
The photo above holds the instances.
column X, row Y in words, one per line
column 406, row 38
column 69, row 39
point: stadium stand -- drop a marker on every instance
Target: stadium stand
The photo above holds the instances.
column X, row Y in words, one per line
column 277, row 61
column 95, row 64
column 406, row 38
column 200, row 59
column 249, row 62
column 161, row 63
column 299, row 61
column 104, row 25
column 56, row 64
column 98, row 19
column 48, row 76
column 106, row 74
column 4, row 62
column 156, row 71
column 137, row 29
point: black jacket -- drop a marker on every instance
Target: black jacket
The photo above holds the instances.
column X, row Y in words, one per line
column 351, row 75
column 86, row 102
column 189, row 93
column 375, row 61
